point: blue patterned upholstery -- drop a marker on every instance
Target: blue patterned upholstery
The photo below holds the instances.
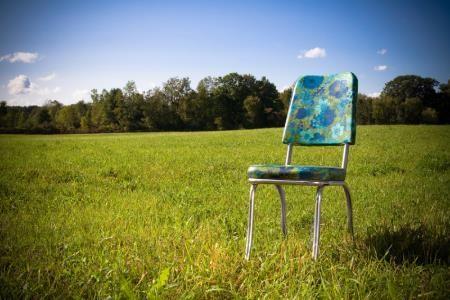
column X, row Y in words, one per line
column 322, row 110
column 310, row 173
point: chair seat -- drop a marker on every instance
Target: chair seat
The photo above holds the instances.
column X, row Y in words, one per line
column 292, row 172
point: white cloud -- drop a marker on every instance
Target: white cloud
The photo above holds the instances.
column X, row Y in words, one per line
column 382, row 51
column 20, row 85
column 313, row 53
column 81, row 95
column 374, row 95
column 49, row 77
column 380, row 68
column 47, row 91
column 25, row 57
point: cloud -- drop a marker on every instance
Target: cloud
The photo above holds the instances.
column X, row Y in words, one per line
column 47, row 91
column 380, row 68
column 81, row 95
column 313, row 53
column 382, row 51
column 25, row 57
column 20, row 85
column 49, row 77
column 374, row 95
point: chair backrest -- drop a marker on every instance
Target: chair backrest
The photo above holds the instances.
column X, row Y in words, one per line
column 322, row 110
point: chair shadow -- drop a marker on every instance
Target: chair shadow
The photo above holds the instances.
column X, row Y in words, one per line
column 414, row 244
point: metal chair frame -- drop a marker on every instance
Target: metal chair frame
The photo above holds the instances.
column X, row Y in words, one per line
column 320, row 186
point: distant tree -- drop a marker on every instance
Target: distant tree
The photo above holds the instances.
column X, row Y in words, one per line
column 204, row 104
column 175, row 89
column 412, row 86
column 229, row 102
column 285, row 97
column 384, row 110
column 158, row 114
column 229, row 95
column 254, row 112
column 68, row 119
column 364, row 109
column 273, row 108
column 173, row 93
column 5, row 119
column 86, row 121
column 429, row 116
column 443, row 106
column 3, row 108
column 411, row 109
column 99, row 116
column 53, row 106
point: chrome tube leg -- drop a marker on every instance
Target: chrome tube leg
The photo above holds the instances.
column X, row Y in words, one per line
column 349, row 210
column 316, row 236
column 283, row 208
column 250, row 222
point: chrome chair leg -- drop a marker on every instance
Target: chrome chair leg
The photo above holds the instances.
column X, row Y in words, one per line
column 316, row 236
column 349, row 210
column 250, row 222
column 283, row 208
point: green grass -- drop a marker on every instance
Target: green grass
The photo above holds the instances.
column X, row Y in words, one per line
column 164, row 215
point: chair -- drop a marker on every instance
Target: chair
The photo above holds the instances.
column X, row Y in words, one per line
column 321, row 112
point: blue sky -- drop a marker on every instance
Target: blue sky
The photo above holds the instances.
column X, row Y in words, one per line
column 63, row 49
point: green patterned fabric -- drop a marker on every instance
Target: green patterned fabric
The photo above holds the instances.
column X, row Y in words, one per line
column 322, row 110
column 310, row 173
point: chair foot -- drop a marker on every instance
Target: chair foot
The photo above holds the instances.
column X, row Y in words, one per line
column 283, row 209
column 316, row 234
column 349, row 211
column 249, row 238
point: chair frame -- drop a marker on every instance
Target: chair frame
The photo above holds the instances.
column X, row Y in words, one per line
column 320, row 187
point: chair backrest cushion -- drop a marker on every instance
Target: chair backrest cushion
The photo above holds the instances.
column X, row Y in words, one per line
column 322, row 110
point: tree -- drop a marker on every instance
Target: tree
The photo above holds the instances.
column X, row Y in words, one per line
column 254, row 111
column 429, row 116
column 412, row 86
column 67, row 119
column 86, row 122
column 412, row 109
column 285, row 97
column 158, row 114
column 364, row 109
column 272, row 106
column 204, row 104
column 443, row 107
column 229, row 96
column 384, row 110
column 228, row 102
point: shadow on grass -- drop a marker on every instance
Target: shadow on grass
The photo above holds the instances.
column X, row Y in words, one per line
column 409, row 244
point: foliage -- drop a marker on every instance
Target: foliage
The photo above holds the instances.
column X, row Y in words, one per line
column 408, row 86
column 164, row 215
column 407, row 99
column 230, row 102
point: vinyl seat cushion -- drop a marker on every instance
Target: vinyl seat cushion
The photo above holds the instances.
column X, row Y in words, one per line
column 293, row 172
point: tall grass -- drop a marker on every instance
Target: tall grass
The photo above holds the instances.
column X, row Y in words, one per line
column 163, row 215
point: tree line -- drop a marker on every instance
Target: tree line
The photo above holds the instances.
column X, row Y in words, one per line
column 218, row 103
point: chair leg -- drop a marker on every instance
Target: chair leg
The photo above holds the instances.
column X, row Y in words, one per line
column 349, row 210
column 283, row 208
column 250, row 222
column 316, row 236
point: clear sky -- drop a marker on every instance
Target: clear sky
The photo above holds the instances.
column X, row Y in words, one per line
column 63, row 49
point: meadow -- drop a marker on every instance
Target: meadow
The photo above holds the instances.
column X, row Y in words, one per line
column 163, row 215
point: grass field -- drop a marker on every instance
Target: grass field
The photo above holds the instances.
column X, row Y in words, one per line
column 164, row 215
